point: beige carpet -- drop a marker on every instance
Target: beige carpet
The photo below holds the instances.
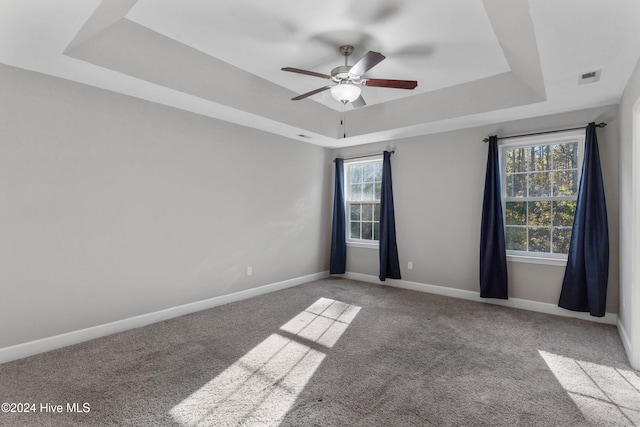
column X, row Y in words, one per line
column 335, row 353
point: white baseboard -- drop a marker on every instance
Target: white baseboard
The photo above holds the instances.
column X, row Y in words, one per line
column 626, row 342
column 31, row 348
column 522, row 304
column 634, row 357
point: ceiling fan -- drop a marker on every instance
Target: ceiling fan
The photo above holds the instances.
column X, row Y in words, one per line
column 347, row 79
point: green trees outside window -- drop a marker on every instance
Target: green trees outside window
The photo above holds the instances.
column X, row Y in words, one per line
column 540, row 192
column 364, row 183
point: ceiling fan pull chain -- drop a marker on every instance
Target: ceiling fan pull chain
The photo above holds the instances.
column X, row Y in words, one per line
column 344, row 125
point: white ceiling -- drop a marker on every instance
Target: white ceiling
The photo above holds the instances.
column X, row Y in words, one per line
column 476, row 62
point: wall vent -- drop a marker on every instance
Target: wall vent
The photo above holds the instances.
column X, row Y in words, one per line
column 590, row 77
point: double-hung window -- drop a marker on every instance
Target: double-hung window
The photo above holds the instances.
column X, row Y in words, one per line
column 540, row 179
column 363, row 182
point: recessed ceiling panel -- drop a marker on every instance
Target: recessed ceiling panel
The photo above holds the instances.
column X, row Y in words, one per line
column 431, row 42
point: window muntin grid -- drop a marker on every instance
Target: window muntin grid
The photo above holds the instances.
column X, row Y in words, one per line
column 363, row 188
column 540, row 180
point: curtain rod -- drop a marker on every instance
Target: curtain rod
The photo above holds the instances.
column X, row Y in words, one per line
column 362, row 157
column 599, row 125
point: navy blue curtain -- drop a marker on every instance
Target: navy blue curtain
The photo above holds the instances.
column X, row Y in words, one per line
column 493, row 253
column 389, row 263
column 338, row 260
column 584, row 287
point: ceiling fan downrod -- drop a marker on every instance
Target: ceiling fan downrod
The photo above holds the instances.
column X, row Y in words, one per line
column 346, row 50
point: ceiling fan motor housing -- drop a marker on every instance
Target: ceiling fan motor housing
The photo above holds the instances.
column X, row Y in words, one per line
column 340, row 73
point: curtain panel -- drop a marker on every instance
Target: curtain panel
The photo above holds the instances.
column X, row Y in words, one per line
column 389, row 263
column 493, row 253
column 338, row 259
column 584, row 287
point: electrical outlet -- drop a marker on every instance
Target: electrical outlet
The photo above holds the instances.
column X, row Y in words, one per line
column 410, row 265
column 249, row 271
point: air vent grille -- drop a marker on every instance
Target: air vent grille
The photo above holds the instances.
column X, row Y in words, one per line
column 590, row 77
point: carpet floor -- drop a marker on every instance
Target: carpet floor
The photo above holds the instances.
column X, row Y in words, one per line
column 334, row 352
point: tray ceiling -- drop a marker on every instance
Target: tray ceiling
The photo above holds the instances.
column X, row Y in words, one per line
column 476, row 62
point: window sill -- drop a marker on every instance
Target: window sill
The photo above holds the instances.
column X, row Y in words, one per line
column 363, row 245
column 537, row 260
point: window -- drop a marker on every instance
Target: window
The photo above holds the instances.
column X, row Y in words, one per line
column 540, row 179
column 364, row 184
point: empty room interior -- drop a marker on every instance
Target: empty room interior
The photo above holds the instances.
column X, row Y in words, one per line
column 356, row 212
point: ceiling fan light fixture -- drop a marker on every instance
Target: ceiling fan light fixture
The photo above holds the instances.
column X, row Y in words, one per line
column 345, row 92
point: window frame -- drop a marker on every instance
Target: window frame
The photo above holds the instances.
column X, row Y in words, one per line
column 537, row 140
column 361, row 243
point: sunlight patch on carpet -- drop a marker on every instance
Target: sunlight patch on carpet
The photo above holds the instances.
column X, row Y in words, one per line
column 262, row 385
column 323, row 322
column 604, row 395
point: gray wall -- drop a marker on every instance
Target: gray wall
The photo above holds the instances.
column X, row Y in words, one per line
column 438, row 183
column 630, row 216
column 113, row 207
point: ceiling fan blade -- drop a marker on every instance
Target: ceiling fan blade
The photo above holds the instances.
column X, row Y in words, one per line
column 313, row 92
column 366, row 63
column 308, row 73
column 396, row 84
column 359, row 102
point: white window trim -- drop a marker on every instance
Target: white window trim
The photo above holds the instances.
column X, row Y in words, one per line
column 365, row 244
column 537, row 260
column 356, row 243
column 538, row 257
